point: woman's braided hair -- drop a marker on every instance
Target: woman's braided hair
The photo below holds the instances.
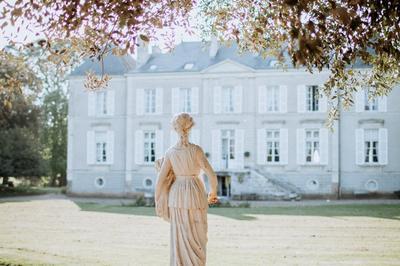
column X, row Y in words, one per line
column 182, row 123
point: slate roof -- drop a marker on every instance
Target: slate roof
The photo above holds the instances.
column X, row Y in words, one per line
column 113, row 65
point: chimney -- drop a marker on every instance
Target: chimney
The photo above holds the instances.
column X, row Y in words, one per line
column 213, row 46
column 142, row 53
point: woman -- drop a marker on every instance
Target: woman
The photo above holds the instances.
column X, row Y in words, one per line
column 181, row 197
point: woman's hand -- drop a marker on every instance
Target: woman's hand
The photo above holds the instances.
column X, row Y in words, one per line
column 212, row 198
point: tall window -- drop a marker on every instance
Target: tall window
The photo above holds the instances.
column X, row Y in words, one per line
column 228, row 146
column 371, row 137
column 273, row 99
column 150, row 100
column 272, row 145
column 185, row 99
column 312, row 146
column 101, row 103
column 370, row 105
column 101, row 146
column 227, row 99
column 149, row 146
column 312, row 95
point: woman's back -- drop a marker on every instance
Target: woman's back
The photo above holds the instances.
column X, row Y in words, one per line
column 185, row 160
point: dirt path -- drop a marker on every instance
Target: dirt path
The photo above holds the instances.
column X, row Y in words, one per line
column 55, row 231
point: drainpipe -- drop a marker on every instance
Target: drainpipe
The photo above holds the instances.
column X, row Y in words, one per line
column 339, row 190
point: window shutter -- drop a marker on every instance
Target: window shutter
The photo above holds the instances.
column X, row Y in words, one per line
column 194, row 136
column 91, row 103
column 261, row 146
column 159, row 144
column 360, row 100
column 90, row 147
column 216, row 148
column 283, row 145
column 359, row 146
column 382, row 104
column 217, row 100
column 301, row 98
column 383, row 146
column 324, row 145
column 262, row 99
column 238, row 100
column 110, row 147
column 159, row 100
column 301, row 146
column 175, row 100
column 195, row 100
column 139, row 147
column 140, row 100
column 173, row 137
column 239, row 157
column 322, row 101
column 110, row 102
column 283, row 99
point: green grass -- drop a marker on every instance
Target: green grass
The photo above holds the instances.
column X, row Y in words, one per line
column 387, row 211
column 27, row 191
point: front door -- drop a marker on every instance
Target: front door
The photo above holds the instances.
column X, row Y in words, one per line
column 224, row 186
column 228, row 147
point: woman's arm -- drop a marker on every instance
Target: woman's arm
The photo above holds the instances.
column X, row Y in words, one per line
column 162, row 174
column 209, row 171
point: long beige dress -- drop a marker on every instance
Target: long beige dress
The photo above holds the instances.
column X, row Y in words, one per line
column 187, row 203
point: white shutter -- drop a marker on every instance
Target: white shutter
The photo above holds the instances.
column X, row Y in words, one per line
column 159, row 100
column 239, row 156
column 110, row 147
column 383, row 146
column 360, row 100
column 216, row 148
column 301, row 146
column 91, row 103
column 301, row 98
column 159, row 144
column 262, row 99
column 194, row 136
column 175, row 100
column 283, row 99
column 359, row 146
column 238, row 99
column 195, row 100
column 173, row 137
column 322, row 101
column 261, row 146
column 140, row 100
column 382, row 104
column 110, row 102
column 217, row 100
column 90, row 147
column 283, row 145
column 324, row 145
column 139, row 147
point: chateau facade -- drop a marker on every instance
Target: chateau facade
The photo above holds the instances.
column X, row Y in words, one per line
column 262, row 128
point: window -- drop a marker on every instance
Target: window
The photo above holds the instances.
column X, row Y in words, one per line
column 185, row 99
column 228, row 144
column 312, row 98
column 149, row 146
column 150, row 101
column 371, row 137
column 227, row 99
column 370, row 105
column 272, row 99
column 101, row 146
column 99, row 182
column 312, row 146
column 101, row 103
column 273, row 145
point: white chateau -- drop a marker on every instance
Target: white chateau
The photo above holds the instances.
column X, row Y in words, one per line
column 262, row 128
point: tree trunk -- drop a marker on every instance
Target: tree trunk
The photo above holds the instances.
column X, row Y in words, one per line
column 5, row 180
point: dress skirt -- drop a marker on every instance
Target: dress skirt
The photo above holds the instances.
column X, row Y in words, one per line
column 188, row 206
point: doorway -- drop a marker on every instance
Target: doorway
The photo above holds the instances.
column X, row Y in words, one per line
column 224, row 186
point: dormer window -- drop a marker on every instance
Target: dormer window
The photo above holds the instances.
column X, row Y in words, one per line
column 188, row 66
column 153, row 67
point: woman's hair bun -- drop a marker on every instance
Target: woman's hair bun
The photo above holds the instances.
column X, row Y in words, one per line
column 182, row 123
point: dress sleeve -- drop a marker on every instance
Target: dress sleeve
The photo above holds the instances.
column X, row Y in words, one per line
column 163, row 173
column 208, row 170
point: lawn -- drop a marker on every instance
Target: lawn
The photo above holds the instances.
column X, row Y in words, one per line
column 60, row 231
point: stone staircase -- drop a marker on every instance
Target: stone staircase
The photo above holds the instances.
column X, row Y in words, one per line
column 269, row 187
